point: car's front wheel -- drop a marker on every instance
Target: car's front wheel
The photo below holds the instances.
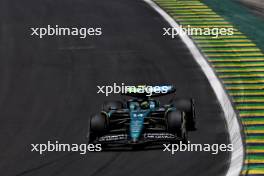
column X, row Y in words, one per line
column 176, row 124
column 97, row 126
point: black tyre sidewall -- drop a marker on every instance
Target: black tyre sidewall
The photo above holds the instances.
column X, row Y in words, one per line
column 98, row 123
column 176, row 124
column 187, row 106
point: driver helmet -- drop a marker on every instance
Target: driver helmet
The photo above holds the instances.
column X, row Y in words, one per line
column 144, row 105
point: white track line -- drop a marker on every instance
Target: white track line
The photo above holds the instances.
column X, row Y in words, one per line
column 237, row 157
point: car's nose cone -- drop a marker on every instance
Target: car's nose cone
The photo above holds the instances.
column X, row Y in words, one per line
column 136, row 125
column 134, row 140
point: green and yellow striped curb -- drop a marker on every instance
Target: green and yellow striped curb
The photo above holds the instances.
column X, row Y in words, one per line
column 239, row 64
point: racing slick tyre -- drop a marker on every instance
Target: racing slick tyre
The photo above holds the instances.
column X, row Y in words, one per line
column 97, row 126
column 90, row 135
column 177, row 125
column 187, row 106
column 110, row 105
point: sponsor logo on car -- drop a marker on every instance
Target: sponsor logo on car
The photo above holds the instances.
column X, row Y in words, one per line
column 159, row 136
column 113, row 137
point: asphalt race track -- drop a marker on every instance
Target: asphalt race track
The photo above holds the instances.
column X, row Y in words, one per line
column 48, row 88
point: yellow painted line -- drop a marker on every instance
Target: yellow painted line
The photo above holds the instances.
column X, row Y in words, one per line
column 256, row 122
column 197, row 16
column 234, row 49
column 189, row 7
column 258, row 161
column 227, row 45
column 217, row 40
column 183, row 9
column 234, row 55
column 243, row 51
column 250, row 114
column 175, row 9
column 247, row 94
column 248, row 100
column 244, row 87
column 186, row 3
column 221, row 37
column 253, row 172
column 200, row 19
column 198, row 12
column 178, row 3
column 243, row 81
column 192, row 13
column 248, row 88
column 254, row 131
column 240, row 75
column 258, row 141
column 236, row 60
column 237, row 70
column 181, row 2
column 206, row 23
column 254, row 151
column 241, row 64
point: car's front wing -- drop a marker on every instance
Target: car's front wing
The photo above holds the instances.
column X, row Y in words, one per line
column 145, row 138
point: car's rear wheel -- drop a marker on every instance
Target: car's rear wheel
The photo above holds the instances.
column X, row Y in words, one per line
column 176, row 124
column 112, row 105
column 188, row 107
